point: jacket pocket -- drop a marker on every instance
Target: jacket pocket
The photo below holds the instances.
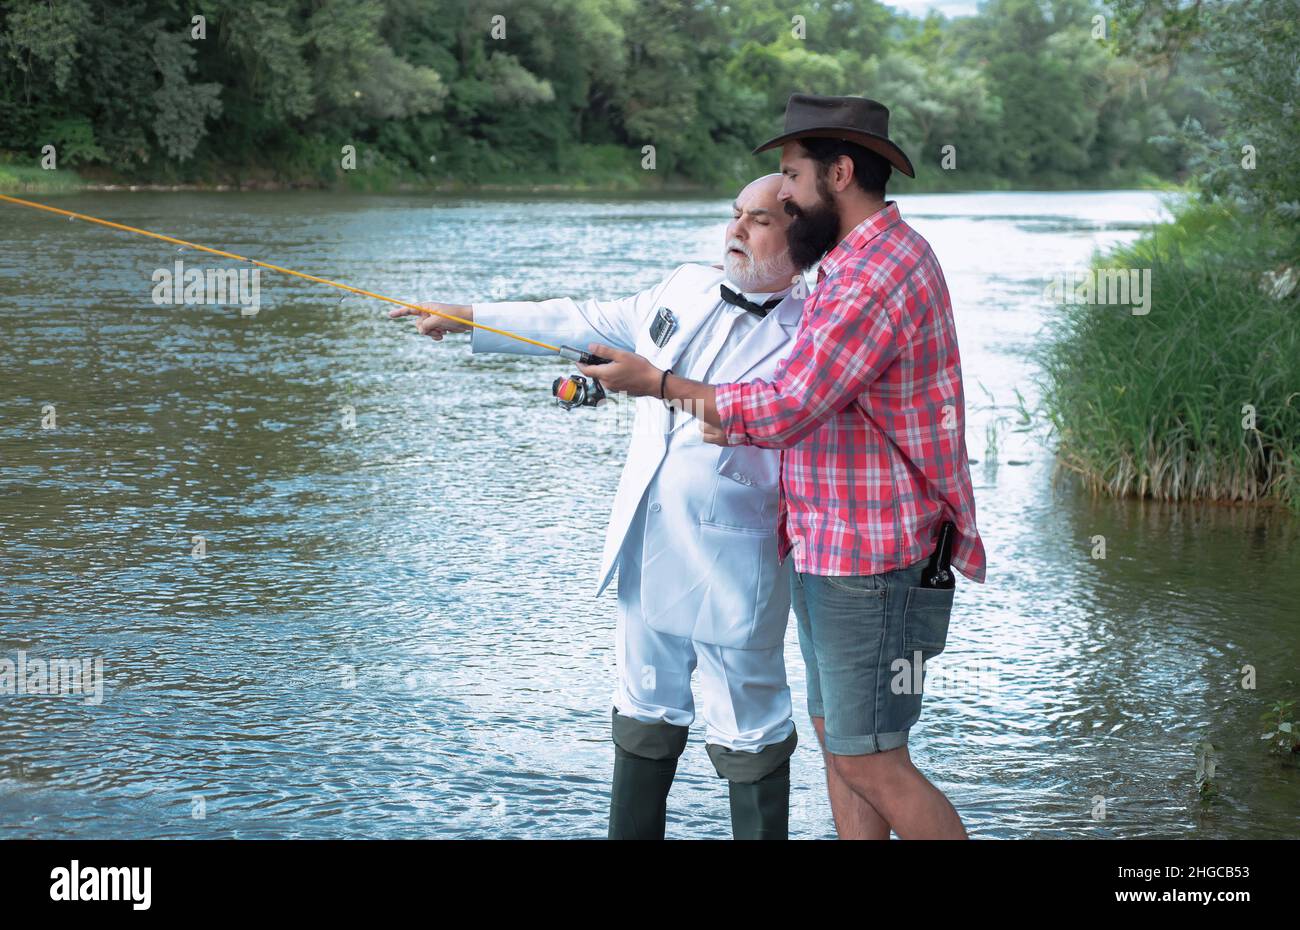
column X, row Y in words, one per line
column 746, row 601
column 736, row 505
column 925, row 620
column 751, row 466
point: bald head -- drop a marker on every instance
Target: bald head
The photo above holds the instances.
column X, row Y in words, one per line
column 755, row 252
column 767, row 185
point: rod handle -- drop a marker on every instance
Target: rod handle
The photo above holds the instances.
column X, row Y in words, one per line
column 581, row 357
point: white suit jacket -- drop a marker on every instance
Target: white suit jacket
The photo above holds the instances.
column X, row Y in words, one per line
column 708, row 559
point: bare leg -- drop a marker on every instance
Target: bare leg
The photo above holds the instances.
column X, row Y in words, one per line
column 896, row 789
column 855, row 818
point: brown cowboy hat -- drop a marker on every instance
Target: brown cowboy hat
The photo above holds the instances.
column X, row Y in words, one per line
column 852, row 119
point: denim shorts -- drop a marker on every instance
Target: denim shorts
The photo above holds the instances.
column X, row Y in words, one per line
column 865, row 639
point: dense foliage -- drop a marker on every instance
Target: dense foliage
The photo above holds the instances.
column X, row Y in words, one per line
column 1027, row 92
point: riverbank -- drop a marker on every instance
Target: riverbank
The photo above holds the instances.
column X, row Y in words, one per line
column 596, row 173
column 1194, row 395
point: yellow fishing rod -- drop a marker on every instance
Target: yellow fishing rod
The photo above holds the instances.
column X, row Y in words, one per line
column 568, row 392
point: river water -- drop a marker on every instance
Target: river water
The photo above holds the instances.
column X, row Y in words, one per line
column 340, row 578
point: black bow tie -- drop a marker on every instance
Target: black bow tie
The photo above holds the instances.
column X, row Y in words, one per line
column 736, row 300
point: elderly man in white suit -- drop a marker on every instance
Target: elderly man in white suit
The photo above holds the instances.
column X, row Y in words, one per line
column 693, row 529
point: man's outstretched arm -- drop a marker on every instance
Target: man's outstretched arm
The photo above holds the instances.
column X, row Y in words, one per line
column 560, row 320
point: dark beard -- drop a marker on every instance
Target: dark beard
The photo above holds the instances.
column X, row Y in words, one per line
column 813, row 232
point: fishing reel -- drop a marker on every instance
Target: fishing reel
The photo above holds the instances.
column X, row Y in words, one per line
column 576, row 390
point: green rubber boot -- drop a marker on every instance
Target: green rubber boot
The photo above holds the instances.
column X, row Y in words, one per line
column 638, row 803
column 645, row 761
column 760, row 810
column 759, row 784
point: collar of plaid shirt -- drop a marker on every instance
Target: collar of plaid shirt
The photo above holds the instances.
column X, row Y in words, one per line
column 863, row 233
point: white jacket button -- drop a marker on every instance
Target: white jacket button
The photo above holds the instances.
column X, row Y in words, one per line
column 655, row 508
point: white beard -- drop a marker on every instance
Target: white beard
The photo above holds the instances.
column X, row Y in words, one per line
column 757, row 275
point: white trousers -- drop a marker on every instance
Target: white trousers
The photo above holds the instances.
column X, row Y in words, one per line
column 744, row 698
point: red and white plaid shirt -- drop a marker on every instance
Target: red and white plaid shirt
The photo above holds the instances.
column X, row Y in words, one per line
column 868, row 406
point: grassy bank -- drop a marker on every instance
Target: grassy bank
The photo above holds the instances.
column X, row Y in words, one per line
column 1199, row 399
column 15, row 179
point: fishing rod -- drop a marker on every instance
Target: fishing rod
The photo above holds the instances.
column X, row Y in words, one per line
column 570, row 392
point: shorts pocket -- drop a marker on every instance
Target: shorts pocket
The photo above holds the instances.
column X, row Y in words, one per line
column 925, row 620
column 860, row 585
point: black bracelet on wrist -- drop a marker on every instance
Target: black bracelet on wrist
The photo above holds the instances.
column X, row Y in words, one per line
column 663, row 382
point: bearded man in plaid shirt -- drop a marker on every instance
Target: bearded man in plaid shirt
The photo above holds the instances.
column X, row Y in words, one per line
column 869, row 411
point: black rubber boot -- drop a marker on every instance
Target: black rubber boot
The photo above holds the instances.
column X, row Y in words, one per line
column 760, row 810
column 645, row 761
